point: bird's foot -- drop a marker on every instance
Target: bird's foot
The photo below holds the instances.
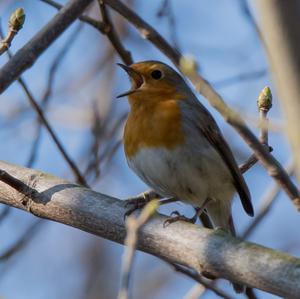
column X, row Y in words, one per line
column 138, row 202
column 176, row 216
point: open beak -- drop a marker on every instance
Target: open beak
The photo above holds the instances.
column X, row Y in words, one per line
column 136, row 79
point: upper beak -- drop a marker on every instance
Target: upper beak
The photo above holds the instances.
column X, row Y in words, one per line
column 135, row 77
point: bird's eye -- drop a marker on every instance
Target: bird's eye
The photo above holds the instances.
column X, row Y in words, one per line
column 156, row 74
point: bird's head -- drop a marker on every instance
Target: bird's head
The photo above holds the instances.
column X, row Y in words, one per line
column 154, row 81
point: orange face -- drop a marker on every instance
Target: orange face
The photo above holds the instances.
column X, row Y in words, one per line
column 153, row 81
column 155, row 117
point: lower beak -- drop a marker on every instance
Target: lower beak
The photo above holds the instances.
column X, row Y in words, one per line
column 136, row 78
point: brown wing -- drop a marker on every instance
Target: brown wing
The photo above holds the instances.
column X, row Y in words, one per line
column 211, row 131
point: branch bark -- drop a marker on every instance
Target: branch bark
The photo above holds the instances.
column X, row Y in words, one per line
column 279, row 24
column 27, row 56
column 205, row 250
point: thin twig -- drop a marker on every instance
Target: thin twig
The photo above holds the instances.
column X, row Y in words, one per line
column 195, row 276
column 15, row 24
column 112, row 35
column 133, row 224
column 86, row 19
column 48, row 92
column 34, row 48
column 23, row 241
column 166, row 11
column 4, row 213
column 252, row 75
column 264, row 104
column 17, row 184
column 266, row 204
column 195, row 292
column 80, row 178
column 204, row 88
column 250, row 294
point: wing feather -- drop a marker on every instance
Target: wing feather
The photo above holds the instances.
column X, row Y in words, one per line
column 209, row 128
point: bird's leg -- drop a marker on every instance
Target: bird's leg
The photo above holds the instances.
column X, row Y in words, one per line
column 206, row 222
column 139, row 201
column 179, row 217
column 199, row 211
column 142, row 199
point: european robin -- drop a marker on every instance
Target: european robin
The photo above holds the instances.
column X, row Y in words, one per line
column 174, row 145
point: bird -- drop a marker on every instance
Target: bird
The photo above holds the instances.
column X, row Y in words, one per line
column 172, row 142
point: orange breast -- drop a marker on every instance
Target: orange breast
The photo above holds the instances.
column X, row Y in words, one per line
column 155, row 124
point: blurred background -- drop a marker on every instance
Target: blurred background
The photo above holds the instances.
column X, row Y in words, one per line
column 76, row 81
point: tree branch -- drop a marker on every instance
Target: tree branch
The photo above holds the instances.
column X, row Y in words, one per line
column 15, row 24
column 266, row 204
column 202, row 249
column 27, row 55
column 44, row 121
column 113, row 36
column 133, row 226
column 26, row 237
column 86, row 19
column 264, row 104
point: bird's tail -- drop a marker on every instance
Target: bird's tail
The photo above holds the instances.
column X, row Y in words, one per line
column 239, row 288
column 222, row 218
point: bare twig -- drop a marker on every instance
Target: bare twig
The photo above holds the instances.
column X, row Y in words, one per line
column 86, row 19
column 248, row 14
column 250, row 294
column 19, row 186
column 195, row 292
column 4, row 213
column 79, row 177
column 23, row 241
column 133, row 225
column 266, row 204
column 213, row 252
column 197, row 277
column 203, row 87
column 113, row 36
column 250, row 75
column 15, row 24
column 264, row 104
column 145, row 29
column 48, row 92
column 29, row 53
column 166, row 11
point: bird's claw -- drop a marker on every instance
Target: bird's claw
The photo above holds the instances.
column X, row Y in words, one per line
column 175, row 213
column 138, row 202
column 136, row 205
column 178, row 217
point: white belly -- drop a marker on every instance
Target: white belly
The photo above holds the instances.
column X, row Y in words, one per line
column 188, row 176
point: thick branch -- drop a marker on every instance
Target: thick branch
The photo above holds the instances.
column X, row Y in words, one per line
column 206, row 250
column 27, row 56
